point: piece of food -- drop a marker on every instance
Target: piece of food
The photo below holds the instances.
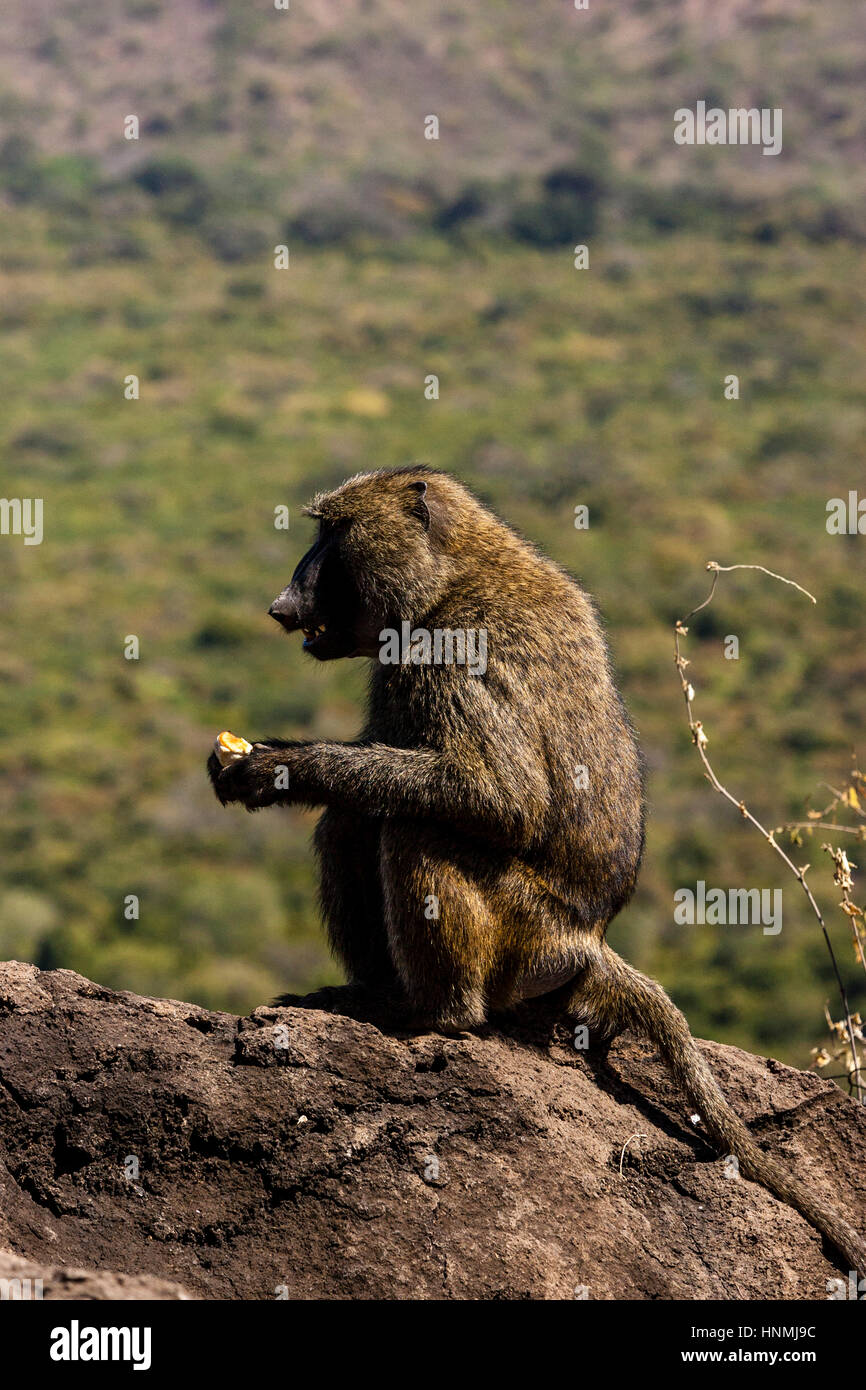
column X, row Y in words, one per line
column 229, row 748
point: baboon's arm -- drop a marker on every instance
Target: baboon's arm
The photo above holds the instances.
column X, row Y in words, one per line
column 373, row 778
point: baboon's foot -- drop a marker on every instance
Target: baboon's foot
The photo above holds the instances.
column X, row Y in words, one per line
column 533, row 1021
column 451, row 1022
column 449, row 1027
column 596, row 1027
column 594, row 1044
column 592, row 1036
column 362, row 1002
column 459, row 1016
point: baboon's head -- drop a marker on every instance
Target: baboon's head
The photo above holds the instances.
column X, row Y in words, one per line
column 382, row 556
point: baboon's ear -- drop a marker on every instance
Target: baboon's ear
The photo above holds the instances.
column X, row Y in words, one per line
column 419, row 507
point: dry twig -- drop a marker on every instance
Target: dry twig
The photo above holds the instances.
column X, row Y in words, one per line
column 699, row 738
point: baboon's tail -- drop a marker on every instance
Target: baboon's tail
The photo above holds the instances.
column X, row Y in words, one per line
column 612, row 996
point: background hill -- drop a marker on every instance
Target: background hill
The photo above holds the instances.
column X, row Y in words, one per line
column 557, row 387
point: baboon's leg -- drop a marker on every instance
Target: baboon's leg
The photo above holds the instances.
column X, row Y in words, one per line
column 611, row 996
column 441, row 932
column 540, row 948
column 350, row 892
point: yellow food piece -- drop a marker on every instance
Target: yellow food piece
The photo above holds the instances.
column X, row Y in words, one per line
column 229, row 748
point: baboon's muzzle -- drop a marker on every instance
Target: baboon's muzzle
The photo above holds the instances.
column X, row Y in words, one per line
column 296, row 606
column 319, row 603
column 284, row 610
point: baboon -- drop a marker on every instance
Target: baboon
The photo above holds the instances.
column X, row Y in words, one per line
column 485, row 828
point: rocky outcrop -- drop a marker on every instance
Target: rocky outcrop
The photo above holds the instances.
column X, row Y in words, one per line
column 23, row 1280
column 308, row 1154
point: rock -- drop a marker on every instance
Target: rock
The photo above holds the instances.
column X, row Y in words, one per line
column 308, row 1154
column 23, row 1280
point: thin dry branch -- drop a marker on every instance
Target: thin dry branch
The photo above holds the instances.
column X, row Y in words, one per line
column 843, row 879
column 848, row 801
column 699, row 739
column 857, row 830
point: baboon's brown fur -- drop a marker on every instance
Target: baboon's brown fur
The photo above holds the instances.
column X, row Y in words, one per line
column 466, row 861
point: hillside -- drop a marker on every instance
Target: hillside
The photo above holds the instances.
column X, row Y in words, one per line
column 251, row 116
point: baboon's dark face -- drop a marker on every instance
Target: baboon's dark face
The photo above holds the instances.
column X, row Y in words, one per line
column 321, row 601
column 371, row 566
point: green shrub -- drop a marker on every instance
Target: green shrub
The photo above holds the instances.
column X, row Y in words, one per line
column 182, row 195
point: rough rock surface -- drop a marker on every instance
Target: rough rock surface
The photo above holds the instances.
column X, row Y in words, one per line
column 310, row 1152
column 25, row 1280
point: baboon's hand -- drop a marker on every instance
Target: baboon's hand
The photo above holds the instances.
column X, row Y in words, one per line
column 252, row 780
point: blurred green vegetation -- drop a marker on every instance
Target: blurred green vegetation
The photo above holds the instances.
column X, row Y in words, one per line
column 557, row 387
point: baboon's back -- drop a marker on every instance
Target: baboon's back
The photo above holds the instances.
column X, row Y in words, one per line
column 546, row 711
